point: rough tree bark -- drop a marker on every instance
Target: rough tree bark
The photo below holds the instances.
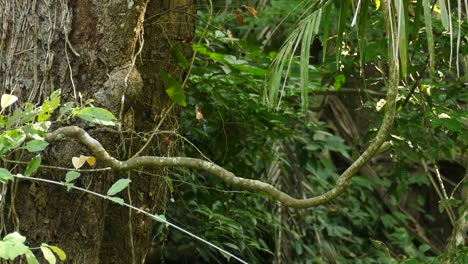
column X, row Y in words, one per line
column 102, row 49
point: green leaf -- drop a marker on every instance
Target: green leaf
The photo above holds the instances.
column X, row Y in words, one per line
column 430, row 36
column 69, row 186
column 11, row 140
column 444, row 14
column 5, row 175
column 12, row 250
column 179, row 57
column 30, row 258
column 118, row 186
column 286, row 56
column 49, row 106
column 14, row 237
column 36, row 145
column 174, row 89
column 402, row 14
column 231, row 245
column 33, row 165
column 116, row 200
column 67, row 107
column 97, row 115
column 199, row 48
column 160, row 218
column 251, row 69
column 48, row 255
column 12, row 246
column 362, row 181
column 308, row 34
column 60, row 253
column 71, row 176
column 340, row 79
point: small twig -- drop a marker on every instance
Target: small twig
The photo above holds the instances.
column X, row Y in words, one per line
column 415, row 84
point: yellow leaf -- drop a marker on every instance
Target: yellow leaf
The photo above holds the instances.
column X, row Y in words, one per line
column 252, row 12
column 60, row 253
column 78, row 162
column 377, row 4
column 198, row 113
column 91, row 161
column 7, row 100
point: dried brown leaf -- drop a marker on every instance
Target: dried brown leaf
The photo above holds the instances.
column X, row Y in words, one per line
column 239, row 16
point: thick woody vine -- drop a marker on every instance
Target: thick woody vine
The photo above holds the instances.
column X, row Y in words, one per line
column 229, row 177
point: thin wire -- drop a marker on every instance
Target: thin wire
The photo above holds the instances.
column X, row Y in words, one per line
column 156, row 217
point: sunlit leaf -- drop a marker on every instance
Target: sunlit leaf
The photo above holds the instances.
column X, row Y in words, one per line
column 97, row 115
column 12, row 246
column 78, row 162
column 91, row 161
column 7, row 100
column 48, row 255
column 60, row 253
column 49, row 106
column 14, row 237
column 118, row 186
column 198, row 113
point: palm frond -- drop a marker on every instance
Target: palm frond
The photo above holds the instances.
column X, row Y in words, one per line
column 302, row 36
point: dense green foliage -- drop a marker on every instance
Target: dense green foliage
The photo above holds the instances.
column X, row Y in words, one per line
column 380, row 219
column 287, row 96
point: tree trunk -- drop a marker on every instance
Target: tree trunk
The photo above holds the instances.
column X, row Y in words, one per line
column 99, row 49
